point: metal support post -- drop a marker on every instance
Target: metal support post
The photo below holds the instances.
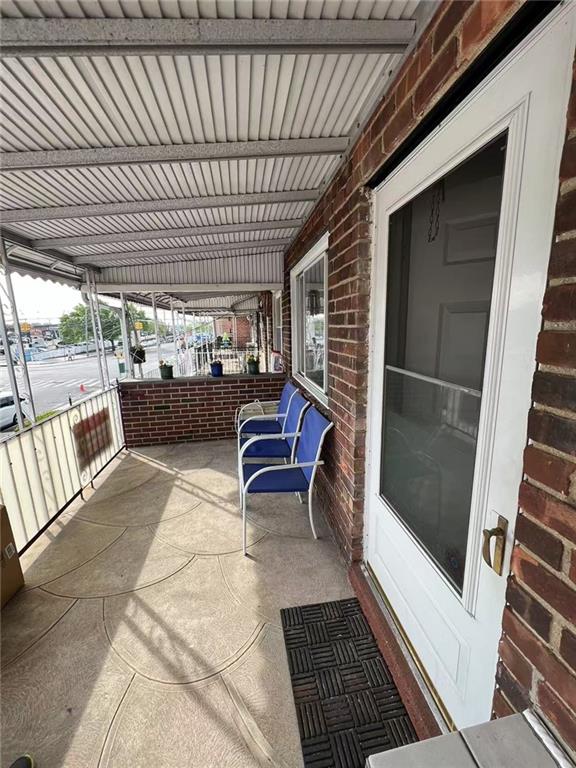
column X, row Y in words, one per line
column 156, row 327
column 10, row 368
column 100, row 334
column 17, row 330
column 94, row 330
column 174, row 336
column 129, row 365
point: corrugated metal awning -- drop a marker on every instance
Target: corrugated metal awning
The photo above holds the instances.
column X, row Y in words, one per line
column 166, row 143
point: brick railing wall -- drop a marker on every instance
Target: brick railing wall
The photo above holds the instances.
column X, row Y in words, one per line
column 181, row 410
column 458, row 32
column 538, row 649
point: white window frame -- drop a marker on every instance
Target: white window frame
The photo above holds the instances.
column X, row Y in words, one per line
column 318, row 252
column 277, row 319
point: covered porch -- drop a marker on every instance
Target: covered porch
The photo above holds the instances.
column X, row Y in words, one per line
column 144, row 637
column 294, row 161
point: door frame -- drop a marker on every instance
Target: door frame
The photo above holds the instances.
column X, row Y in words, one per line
column 514, row 120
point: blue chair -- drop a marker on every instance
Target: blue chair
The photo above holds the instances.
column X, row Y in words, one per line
column 270, row 446
column 276, row 446
column 297, row 476
column 271, row 423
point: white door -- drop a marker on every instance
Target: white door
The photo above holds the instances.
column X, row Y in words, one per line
column 462, row 239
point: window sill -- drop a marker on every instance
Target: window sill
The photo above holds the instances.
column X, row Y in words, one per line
column 311, row 388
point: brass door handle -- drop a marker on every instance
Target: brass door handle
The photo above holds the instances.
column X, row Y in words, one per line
column 498, row 533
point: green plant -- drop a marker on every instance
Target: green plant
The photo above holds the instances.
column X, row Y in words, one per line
column 39, row 418
column 252, row 359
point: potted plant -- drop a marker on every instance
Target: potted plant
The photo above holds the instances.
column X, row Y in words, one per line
column 216, row 368
column 166, row 370
column 253, row 364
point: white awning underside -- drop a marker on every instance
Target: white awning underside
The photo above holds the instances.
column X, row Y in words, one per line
column 181, row 143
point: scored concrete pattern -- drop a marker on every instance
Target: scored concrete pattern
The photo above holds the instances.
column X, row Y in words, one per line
column 144, row 637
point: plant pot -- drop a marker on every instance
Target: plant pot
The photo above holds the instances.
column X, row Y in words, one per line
column 253, row 368
column 216, row 369
column 166, row 371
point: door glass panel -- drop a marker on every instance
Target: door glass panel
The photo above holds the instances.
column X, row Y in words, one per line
column 441, row 256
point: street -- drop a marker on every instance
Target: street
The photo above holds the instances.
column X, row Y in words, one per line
column 54, row 381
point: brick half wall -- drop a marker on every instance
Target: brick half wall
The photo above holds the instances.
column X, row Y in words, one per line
column 186, row 410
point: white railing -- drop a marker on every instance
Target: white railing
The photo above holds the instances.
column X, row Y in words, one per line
column 47, row 465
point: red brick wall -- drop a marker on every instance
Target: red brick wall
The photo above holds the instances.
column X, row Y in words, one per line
column 538, row 648
column 454, row 37
column 182, row 410
column 243, row 329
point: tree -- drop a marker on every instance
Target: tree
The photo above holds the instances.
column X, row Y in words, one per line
column 75, row 324
column 72, row 327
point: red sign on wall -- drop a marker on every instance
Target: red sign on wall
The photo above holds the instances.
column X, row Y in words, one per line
column 92, row 435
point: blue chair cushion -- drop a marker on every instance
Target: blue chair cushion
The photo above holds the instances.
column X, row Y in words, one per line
column 267, row 449
column 269, row 426
column 280, row 481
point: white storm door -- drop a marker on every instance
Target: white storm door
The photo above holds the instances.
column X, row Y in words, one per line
column 462, row 238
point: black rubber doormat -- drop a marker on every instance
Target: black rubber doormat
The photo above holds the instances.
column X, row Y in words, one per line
column 346, row 702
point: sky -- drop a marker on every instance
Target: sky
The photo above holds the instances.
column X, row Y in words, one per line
column 44, row 301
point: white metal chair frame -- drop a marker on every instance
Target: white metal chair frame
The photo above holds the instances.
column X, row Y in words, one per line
column 263, row 416
column 279, row 468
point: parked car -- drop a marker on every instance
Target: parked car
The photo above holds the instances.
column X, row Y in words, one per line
column 8, row 409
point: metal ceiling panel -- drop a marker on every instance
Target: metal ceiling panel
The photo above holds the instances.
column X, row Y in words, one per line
column 125, row 101
column 209, row 9
column 150, row 222
column 76, row 186
column 119, row 106
column 148, row 246
column 148, row 257
column 262, row 268
column 210, row 302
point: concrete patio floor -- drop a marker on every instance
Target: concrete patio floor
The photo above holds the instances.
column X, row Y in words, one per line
column 144, row 637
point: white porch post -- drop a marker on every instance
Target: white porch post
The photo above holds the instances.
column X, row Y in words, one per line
column 174, row 337
column 128, row 364
column 100, row 334
column 10, row 368
column 95, row 330
column 156, row 327
column 235, row 331
column 17, row 330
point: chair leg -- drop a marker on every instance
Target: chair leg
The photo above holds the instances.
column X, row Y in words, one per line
column 299, row 497
column 310, row 514
column 244, row 523
column 240, row 479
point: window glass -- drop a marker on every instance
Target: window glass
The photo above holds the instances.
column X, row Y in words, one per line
column 308, row 282
column 314, row 323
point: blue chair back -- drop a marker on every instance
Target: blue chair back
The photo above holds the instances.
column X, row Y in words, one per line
column 285, row 397
column 315, row 427
column 293, row 420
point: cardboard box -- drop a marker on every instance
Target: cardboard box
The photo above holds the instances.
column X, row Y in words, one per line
column 11, row 578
